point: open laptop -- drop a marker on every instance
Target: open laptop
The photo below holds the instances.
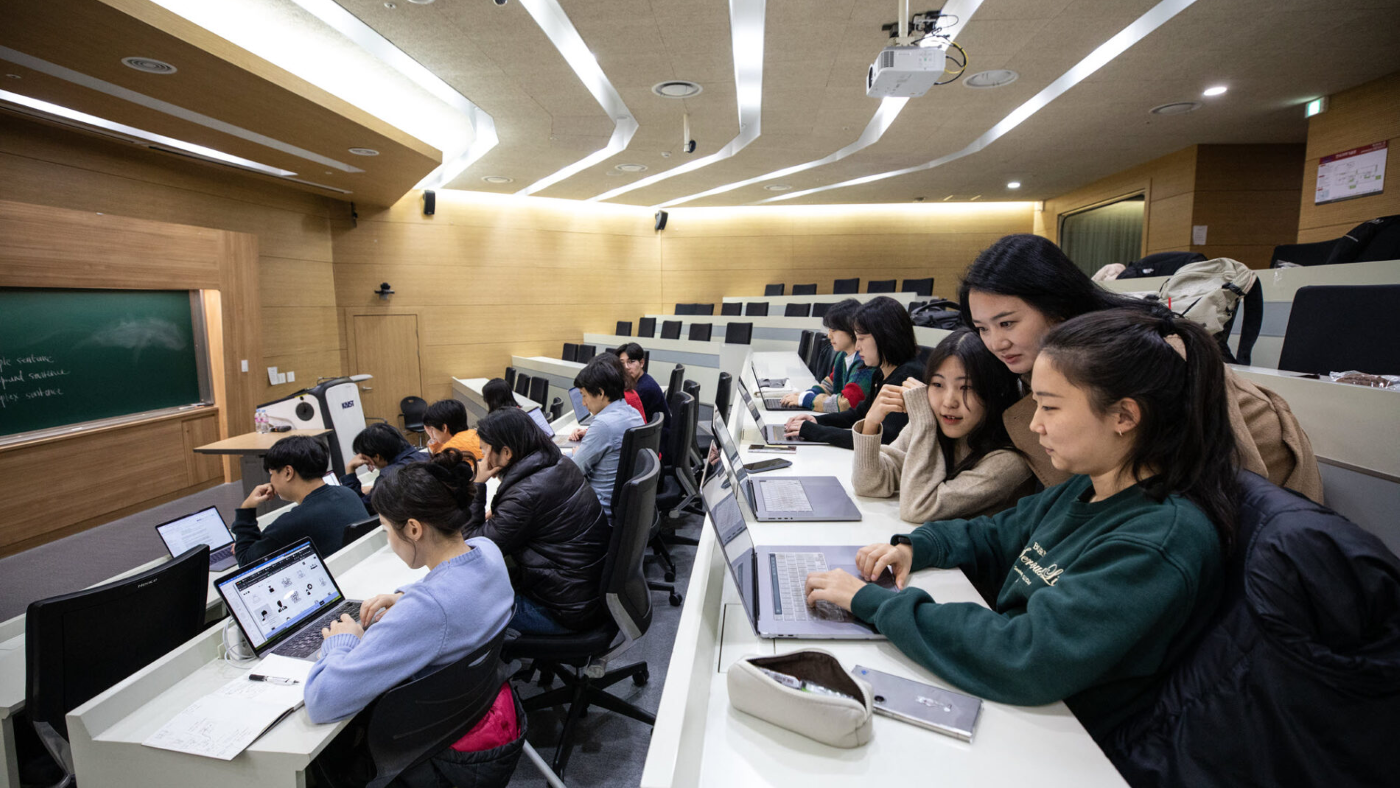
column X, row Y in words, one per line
column 542, row 422
column 330, row 478
column 282, row 602
column 580, row 410
column 772, row 433
column 772, row 581
column 781, row 498
column 771, row 402
column 205, row 526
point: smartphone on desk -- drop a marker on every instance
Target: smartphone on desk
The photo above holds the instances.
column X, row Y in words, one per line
column 763, row 447
column 940, row 710
column 767, row 465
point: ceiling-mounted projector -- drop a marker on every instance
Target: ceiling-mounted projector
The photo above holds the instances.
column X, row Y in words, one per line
column 904, row 71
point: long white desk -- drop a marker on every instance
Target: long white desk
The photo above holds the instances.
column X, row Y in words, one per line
column 107, row 731
column 703, row 361
column 699, row 740
column 468, row 392
column 557, row 371
column 778, row 302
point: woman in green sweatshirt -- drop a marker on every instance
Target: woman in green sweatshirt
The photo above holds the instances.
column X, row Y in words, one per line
column 1105, row 579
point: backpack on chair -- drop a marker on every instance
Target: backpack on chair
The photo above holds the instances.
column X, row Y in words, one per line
column 938, row 313
column 1209, row 293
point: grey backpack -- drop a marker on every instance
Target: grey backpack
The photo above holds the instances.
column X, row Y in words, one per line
column 1209, row 293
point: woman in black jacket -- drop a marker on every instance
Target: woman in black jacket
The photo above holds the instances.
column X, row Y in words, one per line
column 885, row 339
column 546, row 517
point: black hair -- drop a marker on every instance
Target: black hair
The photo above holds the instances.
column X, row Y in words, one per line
column 1036, row 271
column 307, row 456
column 840, row 316
column 437, row 493
column 613, row 360
column 632, row 349
column 380, row 440
column 448, row 415
column 512, row 428
column 498, row 395
column 888, row 322
column 997, row 387
column 603, row 376
column 1184, row 435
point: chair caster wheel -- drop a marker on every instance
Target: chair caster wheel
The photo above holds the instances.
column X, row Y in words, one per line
column 676, row 599
column 670, row 577
column 641, row 678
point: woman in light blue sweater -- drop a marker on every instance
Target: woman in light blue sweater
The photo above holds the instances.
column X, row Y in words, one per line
column 464, row 601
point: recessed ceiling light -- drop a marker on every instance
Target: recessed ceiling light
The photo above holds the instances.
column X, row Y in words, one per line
column 364, row 151
column 497, row 179
column 676, row 89
column 420, row 2
column 631, row 168
column 1215, row 91
column 992, row 79
column 149, row 65
column 13, row 76
column 777, row 187
column 1014, row 185
column 1176, row 108
column 390, row 6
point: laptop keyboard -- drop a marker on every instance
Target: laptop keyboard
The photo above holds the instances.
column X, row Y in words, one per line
column 776, row 403
column 308, row 640
column 785, row 495
column 790, row 572
column 774, row 433
column 220, row 554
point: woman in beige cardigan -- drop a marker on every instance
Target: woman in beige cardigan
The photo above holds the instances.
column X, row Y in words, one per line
column 955, row 458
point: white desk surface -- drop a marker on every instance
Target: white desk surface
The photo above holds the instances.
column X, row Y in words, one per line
column 557, row 366
column 1281, row 284
column 107, row 731
column 472, row 387
column 699, row 740
column 823, row 298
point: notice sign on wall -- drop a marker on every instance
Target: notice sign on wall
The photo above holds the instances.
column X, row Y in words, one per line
column 1353, row 173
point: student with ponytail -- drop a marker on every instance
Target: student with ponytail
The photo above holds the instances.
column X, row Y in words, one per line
column 1103, row 581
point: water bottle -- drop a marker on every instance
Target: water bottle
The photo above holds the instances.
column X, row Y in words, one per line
column 260, row 421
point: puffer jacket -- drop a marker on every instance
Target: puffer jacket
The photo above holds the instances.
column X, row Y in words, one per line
column 546, row 517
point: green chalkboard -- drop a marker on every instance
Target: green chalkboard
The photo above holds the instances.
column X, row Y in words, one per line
column 71, row 356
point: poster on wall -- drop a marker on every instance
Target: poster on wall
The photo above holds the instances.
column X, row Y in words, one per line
column 1353, row 173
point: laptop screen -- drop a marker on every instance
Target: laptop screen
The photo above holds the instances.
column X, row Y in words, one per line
column 732, row 530
column 329, row 478
column 731, row 450
column 580, row 411
column 752, row 406
column 274, row 596
column 538, row 415
column 205, row 526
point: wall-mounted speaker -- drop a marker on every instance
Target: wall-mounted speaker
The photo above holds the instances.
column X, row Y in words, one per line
column 661, row 220
column 429, row 202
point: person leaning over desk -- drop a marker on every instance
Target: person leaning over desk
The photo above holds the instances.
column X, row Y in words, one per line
column 378, row 446
column 445, row 421
column 295, row 466
column 848, row 383
column 1105, row 580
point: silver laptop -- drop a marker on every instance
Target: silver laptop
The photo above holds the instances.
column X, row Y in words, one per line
column 542, row 422
column 282, row 602
column 205, row 526
column 772, row 433
column 771, row 401
column 580, row 410
column 782, row 498
column 772, row 581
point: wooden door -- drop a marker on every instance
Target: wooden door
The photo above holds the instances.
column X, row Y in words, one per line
column 386, row 346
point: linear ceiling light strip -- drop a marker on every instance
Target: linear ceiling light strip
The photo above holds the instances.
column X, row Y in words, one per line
column 562, row 33
column 884, row 117
column 1157, row 16
column 121, row 128
column 117, row 91
column 746, row 18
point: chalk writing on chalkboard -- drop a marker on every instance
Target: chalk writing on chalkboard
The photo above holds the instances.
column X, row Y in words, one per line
column 28, row 378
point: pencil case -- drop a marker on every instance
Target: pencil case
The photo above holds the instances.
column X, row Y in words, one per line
column 806, row 692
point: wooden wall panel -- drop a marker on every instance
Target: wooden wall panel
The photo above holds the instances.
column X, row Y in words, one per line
column 1166, row 184
column 1365, row 114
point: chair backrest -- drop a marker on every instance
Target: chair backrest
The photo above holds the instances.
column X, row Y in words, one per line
column 804, row 344
column 539, row 390
column 797, row 310
column 773, row 290
column 671, row 329
column 724, row 396
column 701, row 332
column 923, row 353
column 810, row 289
column 556, row 408
column 418, row 719
column 685, row 415
column 510, row 377
column 78, row 645
column 677, row 381
column 412, row 408
column 738, row 333
column 704, row 309
column 685, row 309
column 923, row 287
column 646, row 327
column 522, row 384
column 355, row 530
column 823, row 356
column 692, row 388
column 625, row 589
column 880, row 286
column 1337, row 328
column 731, row 309
column 846, row 286
column 634, row 439
column 624, row 328
column 756, row 309
column 570, row 352
column 820, row 310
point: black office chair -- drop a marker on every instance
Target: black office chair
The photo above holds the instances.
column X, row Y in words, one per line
column 411, row 726
column 628, row 599
column 731, row 309
column 685, row 309
column 773, row 290
column 701, row 332
column 693, row 389
column 646, row 327
column 677, row 381
column 738, row 333
column 756, row 309
column 923, row 287
column 820, row 310
column 570, row 352
column 923, row 353
column 704, row 309
column 647, row 436
column 522, row 384
column 823, row 356
column 724, row 396
column 797, row 310
column 76, row 646
column 355, row 531
column 671, row 329
column 539, row 390
column 846, row 286
column 804, row 344
column 556, row 408
column 880, row 286
column 646, row 361
column 679, row 487
column 586, row 353
column 1336, row 328
column 411, row 410
column 805, row 289
column 624, row 328
column 510, row 377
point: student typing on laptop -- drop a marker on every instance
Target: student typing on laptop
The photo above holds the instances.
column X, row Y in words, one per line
column 601, row 385
column 296, row 465
column 848, row 383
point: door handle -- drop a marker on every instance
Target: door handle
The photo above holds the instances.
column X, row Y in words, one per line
column 366, row 388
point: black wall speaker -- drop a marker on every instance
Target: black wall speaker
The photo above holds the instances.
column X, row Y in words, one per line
column 661, row 220
column 429, row 202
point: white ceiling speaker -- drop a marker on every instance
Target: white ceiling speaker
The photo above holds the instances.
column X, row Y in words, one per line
column 1176, row 108
column 995, row 78
column 631, row 168
column 677, row 89
column 149, row 65
column 364, row 151
column 497, row 179
column 777, row 187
